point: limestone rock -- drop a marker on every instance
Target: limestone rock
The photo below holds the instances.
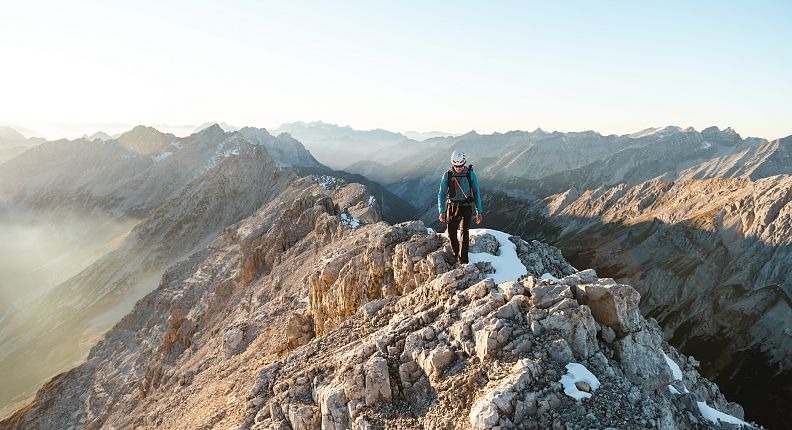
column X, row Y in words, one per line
column 613, row 305
column 377, row 381
column 545, row 295
column 484, row 243
column 641, row 356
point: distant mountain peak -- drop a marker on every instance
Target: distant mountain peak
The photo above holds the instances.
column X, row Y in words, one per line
column 726, row 136
column 8, row 133
column 141, row 131
column 223, row 125
column 145, row 140
column 212, row 131
column 263, row 132
column 98, row 135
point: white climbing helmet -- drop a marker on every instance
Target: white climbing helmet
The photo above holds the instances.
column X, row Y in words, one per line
column 458, row 158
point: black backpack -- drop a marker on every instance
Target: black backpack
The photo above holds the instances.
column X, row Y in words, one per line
column 452, row 189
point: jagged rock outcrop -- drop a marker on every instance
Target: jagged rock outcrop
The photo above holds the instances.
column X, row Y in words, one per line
column 711, row 260
column 466, row 356
column 292, row 318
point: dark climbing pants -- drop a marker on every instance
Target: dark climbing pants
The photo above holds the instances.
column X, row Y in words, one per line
column 455, row 223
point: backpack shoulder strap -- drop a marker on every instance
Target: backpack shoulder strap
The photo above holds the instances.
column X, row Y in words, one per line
column 470, row 182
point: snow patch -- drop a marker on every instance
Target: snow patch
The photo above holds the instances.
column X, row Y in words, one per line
column 329, row 182
column 430, row 230
column 351, row 221
column 548, row 276
column 578, row 373
column 371, row 200
column 507, row 265
column 675, row 370
column 713, row 415
column 673, row 390
column 160, row 157
column 230, row 152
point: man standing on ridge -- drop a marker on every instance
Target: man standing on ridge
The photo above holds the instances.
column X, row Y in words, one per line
column 459, row 191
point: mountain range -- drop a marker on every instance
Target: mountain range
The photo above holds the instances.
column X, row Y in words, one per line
column 696, row 221
column 295, row 318
column 181, row 192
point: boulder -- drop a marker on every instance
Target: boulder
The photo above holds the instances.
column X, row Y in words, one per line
column 304, row 417
column 484, row 414
column 545, row 295
column 377, row 381
column 613, row 305
column 641, row 357
column 232, row 340
column 484, row 243
column 333, row 405
column 560, row 351
column 577, row 326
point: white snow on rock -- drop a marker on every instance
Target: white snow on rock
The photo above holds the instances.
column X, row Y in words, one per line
column 371, row 200
column 578, row 373
column 160, row 157
column 430, row 230
column 350, row 221
column 548, row 277
column 507, row 265
column 329, row 182
column 675, row 370
column 713, row 415
column 231, row 151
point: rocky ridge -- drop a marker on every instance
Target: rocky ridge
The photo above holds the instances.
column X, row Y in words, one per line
column 296, row 318
column 713, row 272
column 135, row 173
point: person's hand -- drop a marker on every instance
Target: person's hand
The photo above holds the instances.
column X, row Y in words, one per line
column 442, row 217
column 478, row 218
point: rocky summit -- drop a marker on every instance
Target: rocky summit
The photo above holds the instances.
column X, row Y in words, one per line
column 314, row 314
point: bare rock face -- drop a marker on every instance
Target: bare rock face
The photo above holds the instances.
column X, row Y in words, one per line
column 484, row 243
column 539, row 258
column 643, row 368
column 294, row 320
column 350, row 277
column 457, row 346
column 377, row 381
column 613, row 305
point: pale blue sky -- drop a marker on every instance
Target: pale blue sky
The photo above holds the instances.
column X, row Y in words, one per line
column 610, row 66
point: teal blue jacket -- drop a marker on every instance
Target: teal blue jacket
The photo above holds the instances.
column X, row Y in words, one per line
column 461, row 184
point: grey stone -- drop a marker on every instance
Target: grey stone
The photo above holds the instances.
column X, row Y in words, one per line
column 484, row 243
column 615, row 306
column 560, row 352
column 545, row 296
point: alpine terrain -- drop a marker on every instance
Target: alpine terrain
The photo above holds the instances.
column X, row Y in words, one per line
column 696, row 221
column 313, row 313
column 139, row 203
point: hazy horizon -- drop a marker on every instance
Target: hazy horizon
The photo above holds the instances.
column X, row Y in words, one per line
column 74, row 131
column 614, row 67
